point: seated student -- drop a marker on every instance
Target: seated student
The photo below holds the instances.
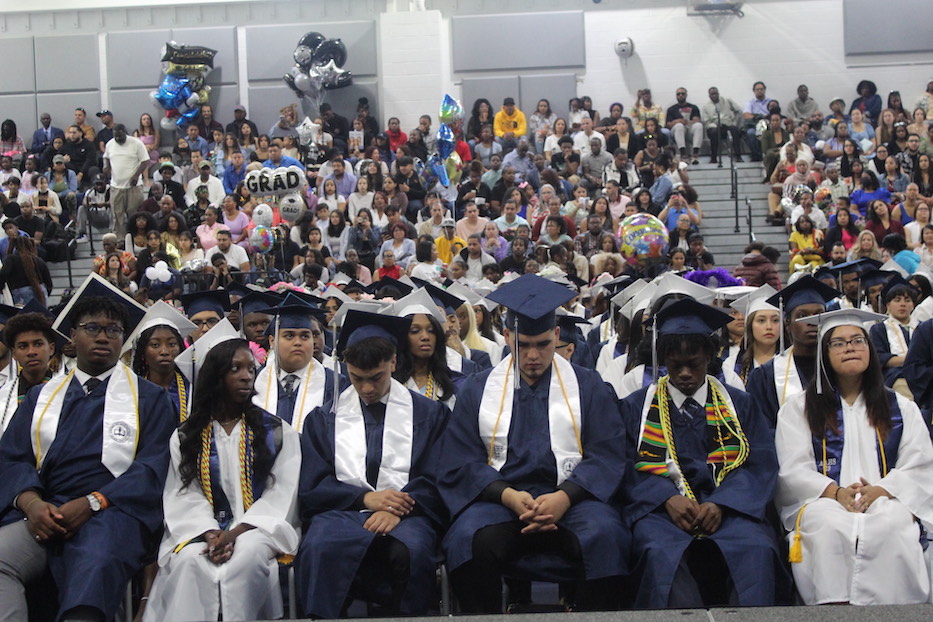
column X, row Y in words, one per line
column 854, row 481
column 230, row 499
column 530, row 463
column 205, row 310
column 91, row 506
column 31, row 342
column 366, row 486
column 891, row 337
column 789, row 372
column 702, row 482
column 293, row 383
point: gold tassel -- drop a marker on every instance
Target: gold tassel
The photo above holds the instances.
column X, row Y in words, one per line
column 795, row 555
column 796, row 551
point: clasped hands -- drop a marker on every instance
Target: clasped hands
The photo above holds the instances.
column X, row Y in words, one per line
column 48, row 521
column 388, row 507
column 698, row 519
column 858, row 496
column 540, row 513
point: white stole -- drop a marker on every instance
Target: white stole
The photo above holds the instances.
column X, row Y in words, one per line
column 120, row 421
column 310, row 391
column 564, row 416
column 350, row 440
column 786, row 380
column 897, row 345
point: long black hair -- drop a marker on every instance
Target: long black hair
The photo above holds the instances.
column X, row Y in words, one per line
column 437, row 364
column 140, row 367
column 209, row 400
column 821, row 408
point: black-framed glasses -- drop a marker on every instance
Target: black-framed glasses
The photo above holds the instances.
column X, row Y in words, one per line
column 93, row 329
column 841, row 345
column 210, row 322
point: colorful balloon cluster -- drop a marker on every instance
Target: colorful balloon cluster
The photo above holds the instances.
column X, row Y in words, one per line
column 318, row 62
column 445, row 166
column 182, row 90
column 642, row 237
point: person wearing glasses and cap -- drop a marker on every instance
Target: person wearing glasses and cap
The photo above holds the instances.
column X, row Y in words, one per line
column 205, row 310
column 789, row 372
column 856, row 471
column 367, row 497
column 704, row 475
column 531, row 462
column 84, row 462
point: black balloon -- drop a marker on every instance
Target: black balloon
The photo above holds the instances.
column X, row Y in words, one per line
column 189, row 54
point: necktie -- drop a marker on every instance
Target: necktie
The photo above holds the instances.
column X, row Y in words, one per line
column 290, row 381
column 691, row 408
column 906, row 332
column 92, row 384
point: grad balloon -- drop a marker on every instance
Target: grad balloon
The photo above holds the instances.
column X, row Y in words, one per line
column 445, row 142
column 642, row 236
column 291, row 207
column 454, row 167
column 439, row 169
column 318, row 67
column 182, row 90
column 262, row 215
column 274, row 182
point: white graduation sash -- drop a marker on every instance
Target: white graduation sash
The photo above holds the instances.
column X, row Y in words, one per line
column 350, row 440
column 564, row 417
column 897, row 345
column 120, row 421
column 786, row 380
column 672, row 468
column 310, row 391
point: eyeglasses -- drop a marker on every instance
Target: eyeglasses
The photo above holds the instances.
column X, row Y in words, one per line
column 93, row 329
column 841, row 345
column 210, row 323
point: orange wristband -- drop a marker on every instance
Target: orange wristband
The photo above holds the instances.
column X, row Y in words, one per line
column 104, row 504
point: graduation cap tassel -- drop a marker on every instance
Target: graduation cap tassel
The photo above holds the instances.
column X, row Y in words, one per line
column 333, row 405
column 654, row 350
column 275, row 348
column 781, row 314
column 517, row 382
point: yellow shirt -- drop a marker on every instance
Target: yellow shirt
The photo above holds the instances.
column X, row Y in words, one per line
column 447, row 248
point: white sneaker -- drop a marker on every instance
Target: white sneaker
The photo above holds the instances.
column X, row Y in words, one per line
column 81, row 238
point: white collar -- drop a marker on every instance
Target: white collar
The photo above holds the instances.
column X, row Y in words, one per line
column 679, row 398
column 83, row 376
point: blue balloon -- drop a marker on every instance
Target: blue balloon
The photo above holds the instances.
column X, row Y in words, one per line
column 436, row 165
column 173, row 92
column 445, row 142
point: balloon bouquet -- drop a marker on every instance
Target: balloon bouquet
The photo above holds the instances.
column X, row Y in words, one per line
column 285, row 186
column 317, row 68
column 182, row 90
column 444, row 166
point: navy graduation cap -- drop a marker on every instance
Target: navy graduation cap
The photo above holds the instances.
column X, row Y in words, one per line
column 360, row 325
column 689, row 317
column 96, row 285
column 217, row 300
column 803, row 291
column 531, row 302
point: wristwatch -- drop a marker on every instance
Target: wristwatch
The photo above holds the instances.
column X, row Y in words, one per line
column 94, row 502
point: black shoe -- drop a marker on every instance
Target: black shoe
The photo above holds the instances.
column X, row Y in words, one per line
column 757, row 158
column 738, row 159
column 713, row 160
column 695, row 161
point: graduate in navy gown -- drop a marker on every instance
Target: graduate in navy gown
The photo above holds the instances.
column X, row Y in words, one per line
column 293, row 383
column 891, row 337
column 366, row 487
column 789, row 372
column 704, row 472
column 531, row 464
column 93, row 508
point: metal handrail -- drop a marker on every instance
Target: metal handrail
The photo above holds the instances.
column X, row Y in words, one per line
column 748, row 219
column 734, row 182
